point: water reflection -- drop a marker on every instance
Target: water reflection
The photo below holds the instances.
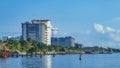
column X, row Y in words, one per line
column 37, row 62
column 66, row 61
column 47, row 61
column 10, row 63
column 3, row 63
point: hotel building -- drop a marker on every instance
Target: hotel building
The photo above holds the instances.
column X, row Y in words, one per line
column 39, row 30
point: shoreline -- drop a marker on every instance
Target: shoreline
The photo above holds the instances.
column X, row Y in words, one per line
column 52, row 54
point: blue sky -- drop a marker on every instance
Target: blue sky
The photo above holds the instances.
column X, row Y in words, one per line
column 91, row 22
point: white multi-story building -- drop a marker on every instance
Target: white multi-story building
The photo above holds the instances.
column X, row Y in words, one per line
column 39, row 30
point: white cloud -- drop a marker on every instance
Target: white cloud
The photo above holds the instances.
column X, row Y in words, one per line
column 114, row 34
column 116, row 19
column 99, row 28
column 110, row 33
column 115, row 37
column 109, row 29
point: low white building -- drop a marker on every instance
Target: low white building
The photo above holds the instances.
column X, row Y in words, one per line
column 4, row 38
column 65, row 41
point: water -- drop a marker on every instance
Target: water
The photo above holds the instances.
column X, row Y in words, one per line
column 64, row 61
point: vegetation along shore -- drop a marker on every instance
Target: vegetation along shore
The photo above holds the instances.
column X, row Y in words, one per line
column 30, row 47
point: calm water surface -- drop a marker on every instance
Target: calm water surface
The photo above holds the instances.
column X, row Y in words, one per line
column 64, row 61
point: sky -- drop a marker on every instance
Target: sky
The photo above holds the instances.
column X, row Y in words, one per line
column 90, row 22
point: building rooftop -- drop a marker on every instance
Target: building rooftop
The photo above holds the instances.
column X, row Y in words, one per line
column 67, row 37
column 40, row 20
column 36, row 21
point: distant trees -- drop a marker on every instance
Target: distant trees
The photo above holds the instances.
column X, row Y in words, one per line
column 31, row 46
column 34, row 46
column 0, row 41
